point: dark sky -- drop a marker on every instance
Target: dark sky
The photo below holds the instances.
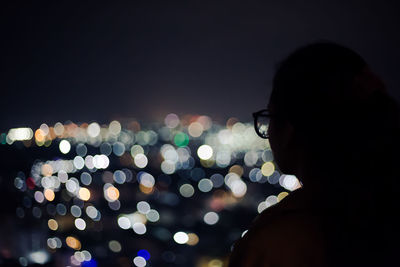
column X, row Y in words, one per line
column 143, row 59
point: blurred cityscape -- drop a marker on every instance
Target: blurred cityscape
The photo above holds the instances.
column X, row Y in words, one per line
column 174, row 193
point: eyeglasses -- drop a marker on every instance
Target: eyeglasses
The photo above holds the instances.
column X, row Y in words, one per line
column 261, row 122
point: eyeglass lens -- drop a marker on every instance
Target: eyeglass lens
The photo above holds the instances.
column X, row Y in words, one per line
column 262, row 125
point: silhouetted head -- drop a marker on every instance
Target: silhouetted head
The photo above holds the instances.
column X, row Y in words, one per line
column 329, row 112
column 334, row 126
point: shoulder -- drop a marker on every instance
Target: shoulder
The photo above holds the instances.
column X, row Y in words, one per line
column 289, row 223
column 281, row 234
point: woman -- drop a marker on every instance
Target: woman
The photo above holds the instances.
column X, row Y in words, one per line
column 333, row 125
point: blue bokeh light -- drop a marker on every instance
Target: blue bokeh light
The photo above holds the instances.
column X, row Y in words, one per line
column 91, row 263
column 144, row 253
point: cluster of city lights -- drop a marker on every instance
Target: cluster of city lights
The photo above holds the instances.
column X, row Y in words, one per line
column 168, row 183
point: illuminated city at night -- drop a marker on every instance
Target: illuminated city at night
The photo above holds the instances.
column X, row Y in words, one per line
column 120, row 192
column 199, row 134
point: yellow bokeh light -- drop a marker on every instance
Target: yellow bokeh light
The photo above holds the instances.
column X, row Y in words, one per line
column 49, row 194
column 193, row 239
column 84, row 194
column 47, row 170
column 112, row 193
column 268, row 168
column 145, row 189
column 207, row 163
column 39, row 135
column 53, row 225
column 236, row 169
column 73, row 242
column 282, row 195
column 215, row 263
column 47, row 143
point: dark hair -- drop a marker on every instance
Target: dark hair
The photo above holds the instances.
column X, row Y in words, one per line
column 349, row 127
column 335, row 103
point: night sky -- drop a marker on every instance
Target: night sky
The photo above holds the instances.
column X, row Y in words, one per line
column 144, row 59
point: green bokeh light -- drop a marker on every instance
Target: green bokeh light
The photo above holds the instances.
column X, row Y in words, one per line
column 181, row 139
column 3, row 138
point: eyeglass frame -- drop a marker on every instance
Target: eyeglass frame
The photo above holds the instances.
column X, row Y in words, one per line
column 256, row 115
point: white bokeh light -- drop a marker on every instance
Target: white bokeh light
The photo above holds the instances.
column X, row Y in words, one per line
column 211, row 218
column 186, row 190
column 93, row 129
column 139, row 261
column 124, row 223
column 181, row 237
column 139, row 228
column 205, row 152
column 64, row 146
column 289, row 182
column 80, row 224
column 140, row 160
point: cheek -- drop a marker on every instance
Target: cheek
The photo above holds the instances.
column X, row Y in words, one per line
column 274, row 136
column 274, row 141
column 279, row 141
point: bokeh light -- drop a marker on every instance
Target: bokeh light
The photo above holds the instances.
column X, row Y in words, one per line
column 84, row 194
column 49, row 194
column 193, row 239
column 65, row 146
column 181, row 237
column 73, row 242
column 80, row 224
column 53, row 225
column 139, row 261
column 211, row 218
column 205, row 152
column 186, row 190
column 131, row 188
column 114, row 246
